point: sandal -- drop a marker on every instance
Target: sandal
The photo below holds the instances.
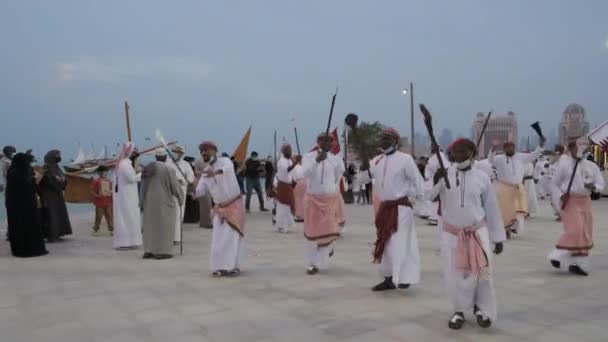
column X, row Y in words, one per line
column 234, row 273
column 482, row 319
column 457, row 321
column 312, row 270
column 219, row 273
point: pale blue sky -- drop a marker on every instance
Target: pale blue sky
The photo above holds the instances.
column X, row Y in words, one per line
column 208, row 69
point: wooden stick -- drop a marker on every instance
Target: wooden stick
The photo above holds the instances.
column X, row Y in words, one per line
column 331, row 112
column 128, row 121
column 483, row 131
column 295, row 131
column 428, row 122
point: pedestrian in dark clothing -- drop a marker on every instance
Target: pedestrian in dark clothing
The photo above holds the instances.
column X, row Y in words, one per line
column 268, row 174
column 56, row 219
column 252, row 179
column 22, row 209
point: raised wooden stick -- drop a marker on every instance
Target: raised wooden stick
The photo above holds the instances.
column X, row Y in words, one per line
column 428, row 122
column 483, row 130
column 128, row 121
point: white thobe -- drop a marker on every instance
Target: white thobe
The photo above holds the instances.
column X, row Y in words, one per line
column 510, row 170
column 530, row 187
column 397, row 176
column 431, row 168
column 464, row 205
column 587, row 172
column 555, row 192
column 539, row 176
column 125, row 203
column 180, row 208
column 227, row 245
column 322, row 179
column 284, row 217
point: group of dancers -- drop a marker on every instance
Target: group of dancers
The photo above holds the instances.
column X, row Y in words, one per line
column 478, row 206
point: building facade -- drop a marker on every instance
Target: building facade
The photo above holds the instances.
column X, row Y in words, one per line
column 573, row 124
column 501, row 128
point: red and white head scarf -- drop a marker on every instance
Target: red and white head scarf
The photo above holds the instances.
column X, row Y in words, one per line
column 127, row 149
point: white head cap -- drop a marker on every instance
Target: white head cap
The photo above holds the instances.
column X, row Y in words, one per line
column 160, row 152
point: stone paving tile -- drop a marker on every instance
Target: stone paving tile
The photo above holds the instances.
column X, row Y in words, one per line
column 86, row 291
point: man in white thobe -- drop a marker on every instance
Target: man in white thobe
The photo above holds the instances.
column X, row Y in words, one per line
column 509, row 175
column 185, row 176
column 284, row 191
column 323, row 171
column 574, row 180
column 530, row 186
column 471, row 223
column 396, row 180
column 227, row 241
column 125, row 200
column 542, row 188
column 431, row 167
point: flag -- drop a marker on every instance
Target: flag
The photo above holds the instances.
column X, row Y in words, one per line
column 335, row 147
column 600, row 135
column 240, row 153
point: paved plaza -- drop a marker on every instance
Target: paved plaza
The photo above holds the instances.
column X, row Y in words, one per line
column 86, row 291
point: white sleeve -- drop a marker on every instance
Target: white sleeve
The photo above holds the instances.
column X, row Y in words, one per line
column 437, row 189
column 491, row 156
column 413, row 174
column 530, row 157
column 201, row 188
column 339, row 169
column 598, row 179
column 556, row 180
column 130, row 175
column 496, row 227
column 309, row 164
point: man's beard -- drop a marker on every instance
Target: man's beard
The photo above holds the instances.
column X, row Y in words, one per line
column 510, row 154
column 206, row 158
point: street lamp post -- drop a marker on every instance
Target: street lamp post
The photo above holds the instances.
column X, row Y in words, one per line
column 411, row 91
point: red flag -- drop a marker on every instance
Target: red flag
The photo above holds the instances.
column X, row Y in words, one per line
column 335, row 147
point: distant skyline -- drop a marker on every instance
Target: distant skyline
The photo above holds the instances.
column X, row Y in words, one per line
column 209, row 69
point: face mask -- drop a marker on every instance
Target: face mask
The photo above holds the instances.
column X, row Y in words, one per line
column 465, row 164
column 58, row 159
column 254, row 158
column 388, row 150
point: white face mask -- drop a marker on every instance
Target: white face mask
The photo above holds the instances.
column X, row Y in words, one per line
column 464, row 165
column 388, row 150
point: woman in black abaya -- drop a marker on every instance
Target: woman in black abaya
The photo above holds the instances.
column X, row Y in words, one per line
column 24, row 224
column 56, row 219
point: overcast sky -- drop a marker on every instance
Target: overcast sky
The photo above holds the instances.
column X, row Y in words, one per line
column 208, row 69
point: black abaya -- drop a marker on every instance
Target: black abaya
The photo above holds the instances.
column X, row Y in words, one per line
column 55, row 212
column 24, row 226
